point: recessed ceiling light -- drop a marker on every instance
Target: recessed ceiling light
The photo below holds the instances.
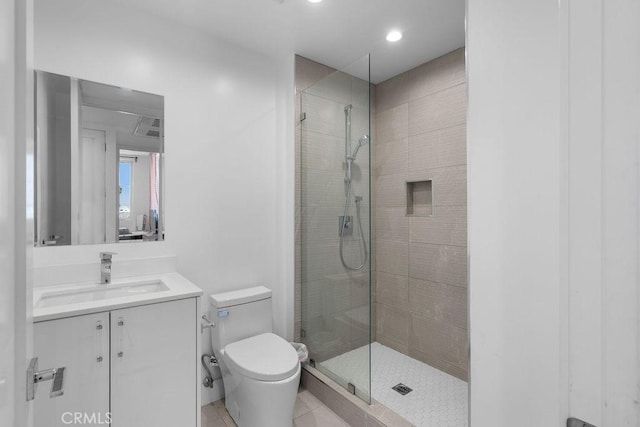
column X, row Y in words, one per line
column 314, row 1
column 394, row 36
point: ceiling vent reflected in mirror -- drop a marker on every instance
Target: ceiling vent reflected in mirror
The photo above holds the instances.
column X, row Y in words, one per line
column 149, row 127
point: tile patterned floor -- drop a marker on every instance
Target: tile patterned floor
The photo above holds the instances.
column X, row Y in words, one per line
column 437, row 400
column 308, row 412
column 215, row 415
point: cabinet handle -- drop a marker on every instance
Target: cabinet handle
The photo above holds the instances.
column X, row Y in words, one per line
column 120, row 336
column 99, row 329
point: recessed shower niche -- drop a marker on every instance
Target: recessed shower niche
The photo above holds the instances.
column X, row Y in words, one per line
column 420, row 198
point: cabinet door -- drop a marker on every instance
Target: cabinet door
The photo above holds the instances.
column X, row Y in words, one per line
column 81, row 345
column 154, row 365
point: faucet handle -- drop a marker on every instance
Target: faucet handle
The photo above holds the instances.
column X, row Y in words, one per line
column 107, row 255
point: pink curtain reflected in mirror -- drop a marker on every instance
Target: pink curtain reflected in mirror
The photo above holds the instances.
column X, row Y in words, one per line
column 154, row 191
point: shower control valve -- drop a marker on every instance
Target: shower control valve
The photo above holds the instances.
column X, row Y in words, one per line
column 345, row 225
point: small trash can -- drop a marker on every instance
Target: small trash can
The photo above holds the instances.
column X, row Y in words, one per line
column 301, row 349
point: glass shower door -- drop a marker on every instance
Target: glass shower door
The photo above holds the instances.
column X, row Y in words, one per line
column 335, row 227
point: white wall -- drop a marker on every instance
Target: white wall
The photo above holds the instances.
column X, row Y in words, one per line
column 285, row 225
column 226, row 208
column 553, row 137
column 514, row 212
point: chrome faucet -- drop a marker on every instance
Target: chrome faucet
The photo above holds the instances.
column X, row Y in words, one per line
column 105, row 266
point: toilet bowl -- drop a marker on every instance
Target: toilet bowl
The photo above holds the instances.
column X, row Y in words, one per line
column 260, row 370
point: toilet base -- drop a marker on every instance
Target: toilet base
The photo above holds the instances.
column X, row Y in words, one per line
column 254, row 403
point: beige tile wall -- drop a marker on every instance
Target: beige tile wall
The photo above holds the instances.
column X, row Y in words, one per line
column 420, row 295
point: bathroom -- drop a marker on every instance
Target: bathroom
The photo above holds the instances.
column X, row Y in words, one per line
column 462, row 200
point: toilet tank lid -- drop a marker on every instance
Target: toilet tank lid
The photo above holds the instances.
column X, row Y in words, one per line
column 241, row 296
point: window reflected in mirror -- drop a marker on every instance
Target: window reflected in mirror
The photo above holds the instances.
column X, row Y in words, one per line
column 138, row 188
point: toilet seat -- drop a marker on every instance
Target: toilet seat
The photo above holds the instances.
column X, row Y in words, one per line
column 264, row 357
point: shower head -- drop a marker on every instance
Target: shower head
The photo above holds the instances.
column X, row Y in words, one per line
column 362, row 141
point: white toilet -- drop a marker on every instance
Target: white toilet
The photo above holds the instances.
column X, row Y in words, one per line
column 260, row 370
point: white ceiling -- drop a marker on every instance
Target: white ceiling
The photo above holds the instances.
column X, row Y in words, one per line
column 333, row 32
column 124, row 124
column 122, row 110
column 121, row 99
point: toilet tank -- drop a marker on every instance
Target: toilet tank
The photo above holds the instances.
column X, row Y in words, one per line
column 240, row 314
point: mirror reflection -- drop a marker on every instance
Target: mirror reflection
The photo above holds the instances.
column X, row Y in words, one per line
column 99, row 162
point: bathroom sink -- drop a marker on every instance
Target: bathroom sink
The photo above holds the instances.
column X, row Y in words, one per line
column 97, row 292
column 76, row 298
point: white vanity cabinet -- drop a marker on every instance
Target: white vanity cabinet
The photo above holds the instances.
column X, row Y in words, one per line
column 138, row 364
column 81, row 344
column 154, row 365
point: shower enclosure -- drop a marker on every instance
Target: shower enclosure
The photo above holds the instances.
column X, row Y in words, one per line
column 411, row 355
column 334, row 199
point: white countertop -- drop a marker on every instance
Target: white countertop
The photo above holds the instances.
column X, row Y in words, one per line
column 178, row 288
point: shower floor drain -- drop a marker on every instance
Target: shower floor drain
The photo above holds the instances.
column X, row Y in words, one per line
column 402, row 389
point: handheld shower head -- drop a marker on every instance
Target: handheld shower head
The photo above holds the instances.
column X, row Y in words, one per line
column 362, row 141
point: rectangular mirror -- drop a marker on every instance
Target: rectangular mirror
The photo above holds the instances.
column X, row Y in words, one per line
column 99, row 163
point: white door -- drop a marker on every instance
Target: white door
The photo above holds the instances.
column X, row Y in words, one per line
column 80, row 345
column 603, row 210
column 92, row 197
column 16, row 133
column 154, row 365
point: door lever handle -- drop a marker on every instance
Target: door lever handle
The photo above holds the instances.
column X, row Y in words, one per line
column 34, row 377
column 57, row 388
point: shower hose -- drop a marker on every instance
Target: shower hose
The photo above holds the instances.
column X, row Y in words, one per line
column 342, row 228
